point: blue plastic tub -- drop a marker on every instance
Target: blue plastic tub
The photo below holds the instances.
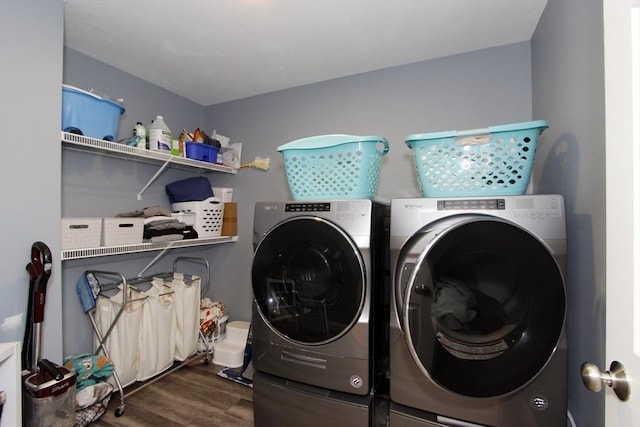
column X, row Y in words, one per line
column 89, row 114
column 334, row 166
column 200, row 151
column 494, row 161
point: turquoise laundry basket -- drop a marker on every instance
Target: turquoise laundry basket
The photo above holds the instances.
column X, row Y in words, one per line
column 494, row 161
column 334, row 166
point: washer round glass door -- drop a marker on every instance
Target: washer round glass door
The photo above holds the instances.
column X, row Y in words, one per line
column 483, row 305
column 308, row 280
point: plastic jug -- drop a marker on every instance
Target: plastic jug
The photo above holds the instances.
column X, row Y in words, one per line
column 159, row 135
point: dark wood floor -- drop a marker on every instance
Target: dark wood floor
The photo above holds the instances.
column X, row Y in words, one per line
column 190, row 396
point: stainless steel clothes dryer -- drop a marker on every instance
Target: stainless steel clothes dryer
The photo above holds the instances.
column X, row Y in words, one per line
column 477, row 329
column 319, row 280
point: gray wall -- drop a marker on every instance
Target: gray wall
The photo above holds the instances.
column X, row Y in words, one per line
column 472, row 90
column 568, row 89
column 492, row 86
column 31, row 58
column 142, row 100
column 477, row 89
column 96, row 186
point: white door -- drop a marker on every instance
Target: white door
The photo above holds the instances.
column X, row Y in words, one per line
column 622, row 102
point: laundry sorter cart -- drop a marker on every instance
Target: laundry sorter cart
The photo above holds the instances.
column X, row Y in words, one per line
column 148, row 326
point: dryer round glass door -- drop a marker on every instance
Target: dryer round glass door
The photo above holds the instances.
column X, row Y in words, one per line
column 308, row 280
column 483, row 305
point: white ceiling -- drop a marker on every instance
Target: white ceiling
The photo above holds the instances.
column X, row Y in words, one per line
column 212, row 51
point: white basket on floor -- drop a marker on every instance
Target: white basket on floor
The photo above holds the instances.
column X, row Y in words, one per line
column 208, row 215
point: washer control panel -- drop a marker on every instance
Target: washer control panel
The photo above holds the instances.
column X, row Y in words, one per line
column 339, row 210
column 308, row 207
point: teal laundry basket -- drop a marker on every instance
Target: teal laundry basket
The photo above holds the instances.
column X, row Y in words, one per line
column 334, row 166
column 494, row 161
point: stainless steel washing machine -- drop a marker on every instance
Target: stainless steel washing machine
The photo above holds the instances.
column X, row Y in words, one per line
column 321, row 286
column 477, row 329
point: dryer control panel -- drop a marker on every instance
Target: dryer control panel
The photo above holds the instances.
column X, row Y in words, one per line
column 469, row 204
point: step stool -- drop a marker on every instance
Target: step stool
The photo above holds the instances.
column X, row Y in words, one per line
column 230, row 351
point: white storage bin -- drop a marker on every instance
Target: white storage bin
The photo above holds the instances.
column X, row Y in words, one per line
column 122, row 231
column 80, row 233
column 223, row 193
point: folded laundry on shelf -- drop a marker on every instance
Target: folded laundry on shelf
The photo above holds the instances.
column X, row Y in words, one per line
column 160, row 222
column 147, row 212
column 163, row 229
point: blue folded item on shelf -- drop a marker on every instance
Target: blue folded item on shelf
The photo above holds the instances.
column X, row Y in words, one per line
column 193, row 189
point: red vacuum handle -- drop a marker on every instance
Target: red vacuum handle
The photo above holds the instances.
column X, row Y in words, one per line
column 40, row 270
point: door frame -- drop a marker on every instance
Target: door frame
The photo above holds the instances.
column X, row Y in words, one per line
column 622, row 202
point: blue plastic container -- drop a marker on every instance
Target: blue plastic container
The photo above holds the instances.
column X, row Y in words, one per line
column 494, row 161
column 89, row 114
column 334, row 166
column 200, row 151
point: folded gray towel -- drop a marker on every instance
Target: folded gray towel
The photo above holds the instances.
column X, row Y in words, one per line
column 159, row 225
column 146, row 212
column 156, row 211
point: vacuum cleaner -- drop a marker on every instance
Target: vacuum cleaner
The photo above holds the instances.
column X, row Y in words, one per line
column 49, row 392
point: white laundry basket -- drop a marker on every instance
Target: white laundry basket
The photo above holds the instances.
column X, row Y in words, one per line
column 208, row 213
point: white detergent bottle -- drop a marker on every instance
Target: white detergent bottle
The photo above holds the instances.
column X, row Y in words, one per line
column 159, row 135
column 141, row 131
